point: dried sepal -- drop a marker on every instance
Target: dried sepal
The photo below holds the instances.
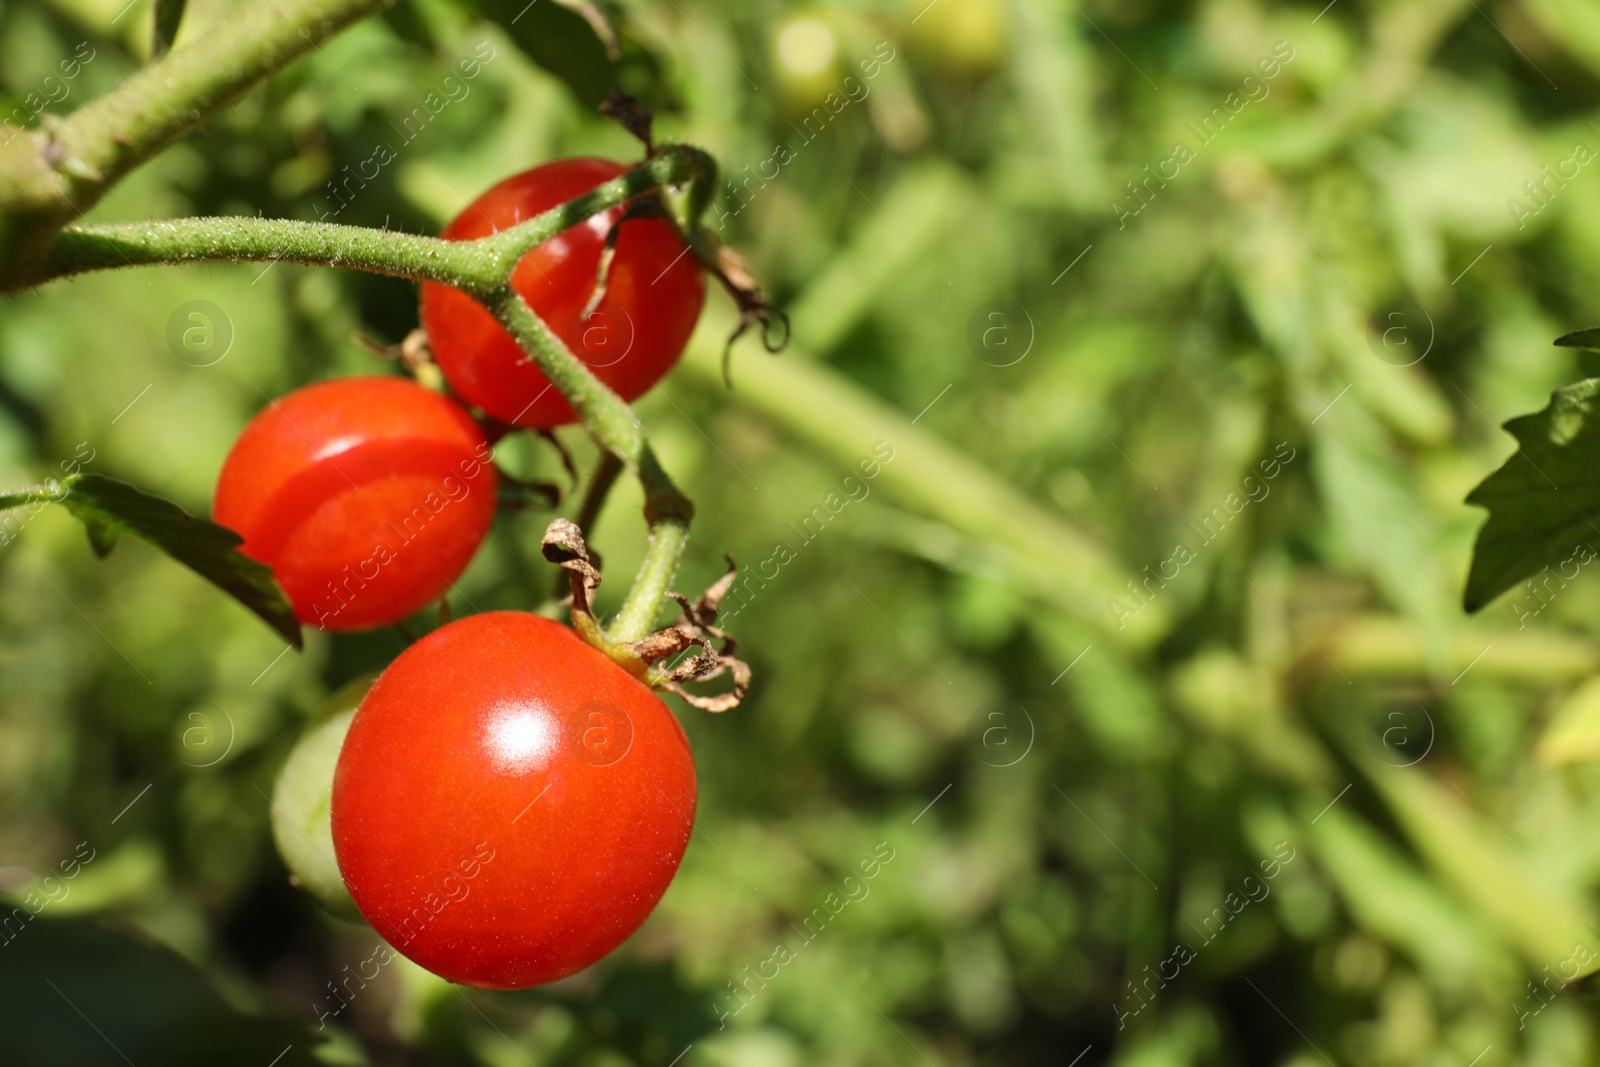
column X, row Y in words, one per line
column 631, row 116
column 413, row 353
column 647, row 206
column 698, row 628
column 754, row 307
column 715, row 649
column 563, row 545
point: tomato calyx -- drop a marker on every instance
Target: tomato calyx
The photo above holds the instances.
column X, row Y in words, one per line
column 754, row 308
column 564, row 546
column 645, row 206
column 684, row 211
column 518, row 494
column 412, row 355
column 631, row 115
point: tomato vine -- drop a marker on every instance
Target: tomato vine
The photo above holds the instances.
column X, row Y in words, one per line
column 49, row 177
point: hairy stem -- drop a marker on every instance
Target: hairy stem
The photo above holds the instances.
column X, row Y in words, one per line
column 478, row 267
column 48, row 493
column 54, row 174
column 463, row 264
column 668, row 536
column 481, row 268
column 617, row 430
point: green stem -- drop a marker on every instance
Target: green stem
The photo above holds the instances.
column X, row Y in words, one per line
column 649, row 590
column 54, row 174
column 594, row 498
column 236, row 239
column 481, row 268
column 48, row 493
column 478, row 267
column 617, row 430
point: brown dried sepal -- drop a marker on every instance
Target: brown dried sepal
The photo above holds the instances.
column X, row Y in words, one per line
column 699, row 627
column 754, row 307
column 646, row 206
column 413, row 353
column 563, row 545
column 630, row 115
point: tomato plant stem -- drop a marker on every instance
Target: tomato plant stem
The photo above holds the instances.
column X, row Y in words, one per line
column 481, row 268
column 54, row 174
column 49, row 493
column 241, row 239
column 616, row 429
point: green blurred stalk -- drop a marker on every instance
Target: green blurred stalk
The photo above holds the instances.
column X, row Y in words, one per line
column 843, row 422
column 478, row 267
column 1378, row 646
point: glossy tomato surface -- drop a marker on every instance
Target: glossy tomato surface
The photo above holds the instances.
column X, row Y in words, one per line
column 366, row 496
column 635, row 335
column 509, row 805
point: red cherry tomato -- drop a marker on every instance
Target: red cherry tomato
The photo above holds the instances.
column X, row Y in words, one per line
column 366, row 496
column 633, row 337
column 509, row 804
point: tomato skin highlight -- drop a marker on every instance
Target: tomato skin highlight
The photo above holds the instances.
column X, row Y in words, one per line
column 509, row 804
column 654, row 294
column 366, row 496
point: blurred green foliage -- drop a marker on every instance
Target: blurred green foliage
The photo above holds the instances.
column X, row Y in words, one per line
column 1357, row 261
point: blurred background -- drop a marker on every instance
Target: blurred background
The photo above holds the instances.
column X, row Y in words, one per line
column 1186, row 326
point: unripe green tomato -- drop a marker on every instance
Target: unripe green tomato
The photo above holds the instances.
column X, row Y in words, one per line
column 301, row 802
column 805, row 57
column 968, row 36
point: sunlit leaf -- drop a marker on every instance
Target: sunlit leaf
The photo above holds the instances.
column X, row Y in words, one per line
column 1544, row 502
column 1589, row 338
column 108, row 507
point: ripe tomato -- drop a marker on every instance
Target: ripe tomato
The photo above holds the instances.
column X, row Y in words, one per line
column 510, row 804
column 635, row 335
column 366, row 496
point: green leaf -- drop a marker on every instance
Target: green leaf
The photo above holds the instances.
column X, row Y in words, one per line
column 108, row 507
column 1589, row 339
column 561, row 37
column 102, row 535
column 82, row 992
column 169, row 14
column 1544, row 501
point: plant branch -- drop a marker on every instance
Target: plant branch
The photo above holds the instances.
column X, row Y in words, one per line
column 481, row 268
column 615, row 427
column 54, row 174
column 236, row 239
column 594, row 498
column 477, row 267
column 48, row 493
